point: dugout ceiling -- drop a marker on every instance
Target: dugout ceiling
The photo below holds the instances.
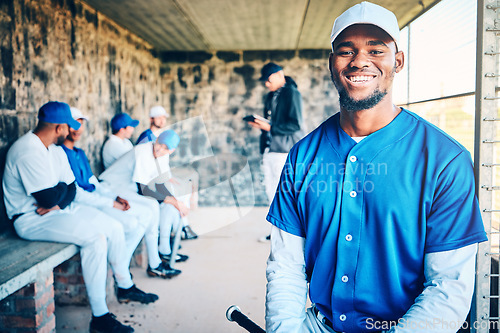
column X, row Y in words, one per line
column 230, row 25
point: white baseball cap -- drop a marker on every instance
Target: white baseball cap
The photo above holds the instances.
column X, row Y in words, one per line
column 367, row 13
column 77, row 114
column 157, row 111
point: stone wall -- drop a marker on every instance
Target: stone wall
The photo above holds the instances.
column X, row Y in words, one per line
column 219, row 89
column 64, row 50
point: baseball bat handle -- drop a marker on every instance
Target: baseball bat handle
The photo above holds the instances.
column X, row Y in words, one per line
column 234, row 313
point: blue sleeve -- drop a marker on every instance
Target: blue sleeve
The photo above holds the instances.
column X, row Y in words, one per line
column 144, row 137
column 80, row 166
column 284, row 212
column 454, row 220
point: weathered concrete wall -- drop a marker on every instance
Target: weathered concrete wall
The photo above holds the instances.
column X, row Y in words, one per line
column 222, row 88
column 64, row 50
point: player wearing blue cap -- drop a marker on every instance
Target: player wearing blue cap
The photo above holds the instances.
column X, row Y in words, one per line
column 145, row 163
column 376, row 214
column 135, row 214
column 122, row 128
column 42, row 200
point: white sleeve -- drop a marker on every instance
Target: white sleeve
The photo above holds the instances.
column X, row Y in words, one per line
column 101, row 189
column 286, row 283
column 446, row 299
column 92, row 199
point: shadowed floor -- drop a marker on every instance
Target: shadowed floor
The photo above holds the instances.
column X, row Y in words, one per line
column 226, row 266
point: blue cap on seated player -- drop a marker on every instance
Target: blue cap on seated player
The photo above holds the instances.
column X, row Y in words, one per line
column 367, row 13
column 57, row 113
column 169, row 138
column 122, row 120
column 269, row 69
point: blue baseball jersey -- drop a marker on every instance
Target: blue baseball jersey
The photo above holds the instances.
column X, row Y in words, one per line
column 81, row 167
column 370, row 211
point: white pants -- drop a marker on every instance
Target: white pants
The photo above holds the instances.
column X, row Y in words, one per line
column 170, row 218
column 272, row 165
column 135, row 221
column 100, row 238
column 150, row 220
column 159, row 222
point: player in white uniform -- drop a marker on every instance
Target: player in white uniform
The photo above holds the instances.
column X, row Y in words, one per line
column 39, row 192
column 136, row 216
column 143, row 164
column 122, row 127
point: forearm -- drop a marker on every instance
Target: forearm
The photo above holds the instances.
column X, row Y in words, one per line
column 287, row 286
column 443, row 305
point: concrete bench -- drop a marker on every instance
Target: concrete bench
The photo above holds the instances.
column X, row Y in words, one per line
column 27, row 282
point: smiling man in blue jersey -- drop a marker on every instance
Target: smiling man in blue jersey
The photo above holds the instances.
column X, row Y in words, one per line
column 376, row 214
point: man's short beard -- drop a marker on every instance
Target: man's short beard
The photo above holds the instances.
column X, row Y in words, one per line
column 351, row 105
column 60, row 140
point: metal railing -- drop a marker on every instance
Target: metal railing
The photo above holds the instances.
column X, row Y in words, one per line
column 484, row 313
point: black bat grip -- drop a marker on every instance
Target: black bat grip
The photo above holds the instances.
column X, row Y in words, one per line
column 235, row 314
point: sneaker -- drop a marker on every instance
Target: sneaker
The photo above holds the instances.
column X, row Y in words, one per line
column 108, row 324
column 163, row 270
column 179, row 258
column 188, row 233
column 134, row 294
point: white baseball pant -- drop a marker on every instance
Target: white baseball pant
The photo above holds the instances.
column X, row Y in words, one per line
column 100, row 238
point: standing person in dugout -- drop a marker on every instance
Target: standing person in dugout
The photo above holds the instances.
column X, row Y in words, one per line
column 283, row 109
column 42, row 200
column 376, row 214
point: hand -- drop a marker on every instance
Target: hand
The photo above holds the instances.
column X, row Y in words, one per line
column 260, row 125
column 124, row 202
column 42, row 211
column 121, row 204
column 181, row 207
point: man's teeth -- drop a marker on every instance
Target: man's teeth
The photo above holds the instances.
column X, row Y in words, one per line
column 360, row 78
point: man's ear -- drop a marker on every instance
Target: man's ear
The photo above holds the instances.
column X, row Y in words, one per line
column 330, row 62
column 400, row 61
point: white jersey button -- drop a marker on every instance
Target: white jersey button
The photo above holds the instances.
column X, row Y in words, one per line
column 345, row 279
column 342, row 317
column 353, row 194
column 353, row 158
column 348, row 238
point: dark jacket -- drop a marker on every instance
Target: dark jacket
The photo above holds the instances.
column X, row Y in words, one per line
column 283, row 108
